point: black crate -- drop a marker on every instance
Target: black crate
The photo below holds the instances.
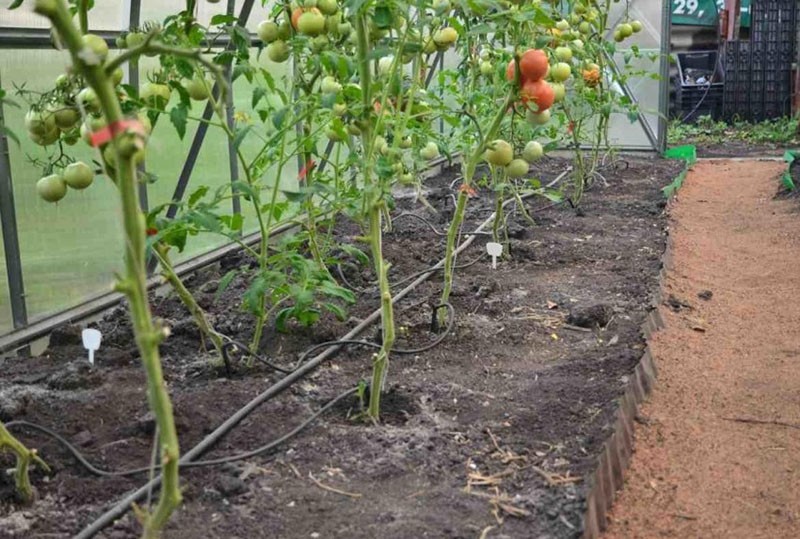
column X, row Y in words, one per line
column 758, row 73
column 699, row 86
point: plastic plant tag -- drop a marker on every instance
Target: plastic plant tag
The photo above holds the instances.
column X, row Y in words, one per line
column 91, row 341
column 494, row 249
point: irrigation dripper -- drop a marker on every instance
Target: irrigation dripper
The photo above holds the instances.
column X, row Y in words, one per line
column 91, row 341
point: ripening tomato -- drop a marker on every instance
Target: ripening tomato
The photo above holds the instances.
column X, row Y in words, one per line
column 78, row 175
column 517, row 168
column 533, row 64
column 538, row 92
column 499, row 153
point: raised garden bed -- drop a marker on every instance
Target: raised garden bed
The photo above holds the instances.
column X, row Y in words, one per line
column 498, row 426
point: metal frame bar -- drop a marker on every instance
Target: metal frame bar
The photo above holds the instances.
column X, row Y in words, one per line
column 663, row 96
column 8, row 220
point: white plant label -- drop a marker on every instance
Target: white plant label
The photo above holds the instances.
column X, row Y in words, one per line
column 494, row 249
column 91, row 341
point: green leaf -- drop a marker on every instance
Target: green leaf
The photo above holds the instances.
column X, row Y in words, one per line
column 239, row 136
column 337, row 310
column 382, row 17
column 222, row 18
column 225, row 282
column 197, row 195
column 244, row 188
column 336, row 291
column 15, row 4
column 253, row 296
column 356, row 253
column 179, row 116
column 281, row 318
column 258, row 93
column 10, row 134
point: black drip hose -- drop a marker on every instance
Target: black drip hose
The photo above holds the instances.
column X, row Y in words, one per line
column 228, row 346
column 193, row 464
column 91, row 468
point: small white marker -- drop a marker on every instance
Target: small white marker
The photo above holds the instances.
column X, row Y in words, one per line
column 91, row 341
column 494, row 250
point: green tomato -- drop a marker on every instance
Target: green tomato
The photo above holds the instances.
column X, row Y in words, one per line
column 578, row 44
column 585, row 28
column 430, row 151
column 563, row 25
column 486, row 68
column 345, row 29
column 517, row 168
column 39, row 122
column 267, row 31
column 98, row 46
column 538, row 118
column 626, row 30
column 89, row 100
column 116, row 76
column 198, row 89
column 327, row 7
column 78, row 175
column 533, row 151
column 385, row 65
column 311, row 23
column 405, row 143
column 500, row 153
column 559, row 90
column 353, row 129
column 381, row 145
column 445, row 37
column 561, row 72
column 564, row 54
column 134, row 39
column 441, row 6
column 62, row 81
column 121, row 42
column 278, row 51
column 330, row 85
column 51, row 188
column 284, row 30
column 155, row 94
column 70, row 138
column 618, row 37
column 407, row 179
column 333, row 135
column 339, row 109
column 320, row 43
column 45, row 139
column 636, row 26
column 66, row 117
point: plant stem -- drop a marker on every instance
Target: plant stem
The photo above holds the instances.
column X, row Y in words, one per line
column 24, row 458
column 461, row 203
column 374, row 207
column 168, row 272
column 133, row 285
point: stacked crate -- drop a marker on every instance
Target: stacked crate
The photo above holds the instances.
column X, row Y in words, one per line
column 758, row 73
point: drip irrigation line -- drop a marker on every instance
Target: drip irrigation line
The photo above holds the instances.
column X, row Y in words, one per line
column 409, row 277
column 83, row 461
column 347, row 342
column 124, row 505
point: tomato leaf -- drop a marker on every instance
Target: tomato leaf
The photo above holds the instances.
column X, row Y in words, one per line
column 179, row 115
column 15, row 4
column 239, row 136
column 224, row 283
column 199, row 193
column 222, row 18
column 258, row 93
column 337, row 311
column 8, row 132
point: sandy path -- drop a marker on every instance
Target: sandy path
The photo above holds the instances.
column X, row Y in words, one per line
column 696, row 473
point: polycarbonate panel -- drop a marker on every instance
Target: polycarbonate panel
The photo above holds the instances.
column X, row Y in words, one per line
column 68, row 249
column 152, row 10
column 645, row 90
column 105, row 15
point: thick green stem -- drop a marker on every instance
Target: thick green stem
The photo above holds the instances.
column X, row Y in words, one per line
column 134, row 285
column 380, row 363
column 186, row 297
column 25, row 457
column 461, row 204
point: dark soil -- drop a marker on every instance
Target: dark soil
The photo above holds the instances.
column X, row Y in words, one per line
column 735, row 148
column 496, row 427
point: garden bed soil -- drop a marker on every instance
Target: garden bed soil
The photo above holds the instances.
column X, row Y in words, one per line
column 735, row 148
column 495, row 429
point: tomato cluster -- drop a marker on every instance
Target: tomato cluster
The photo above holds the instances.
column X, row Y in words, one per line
column 533, row 67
